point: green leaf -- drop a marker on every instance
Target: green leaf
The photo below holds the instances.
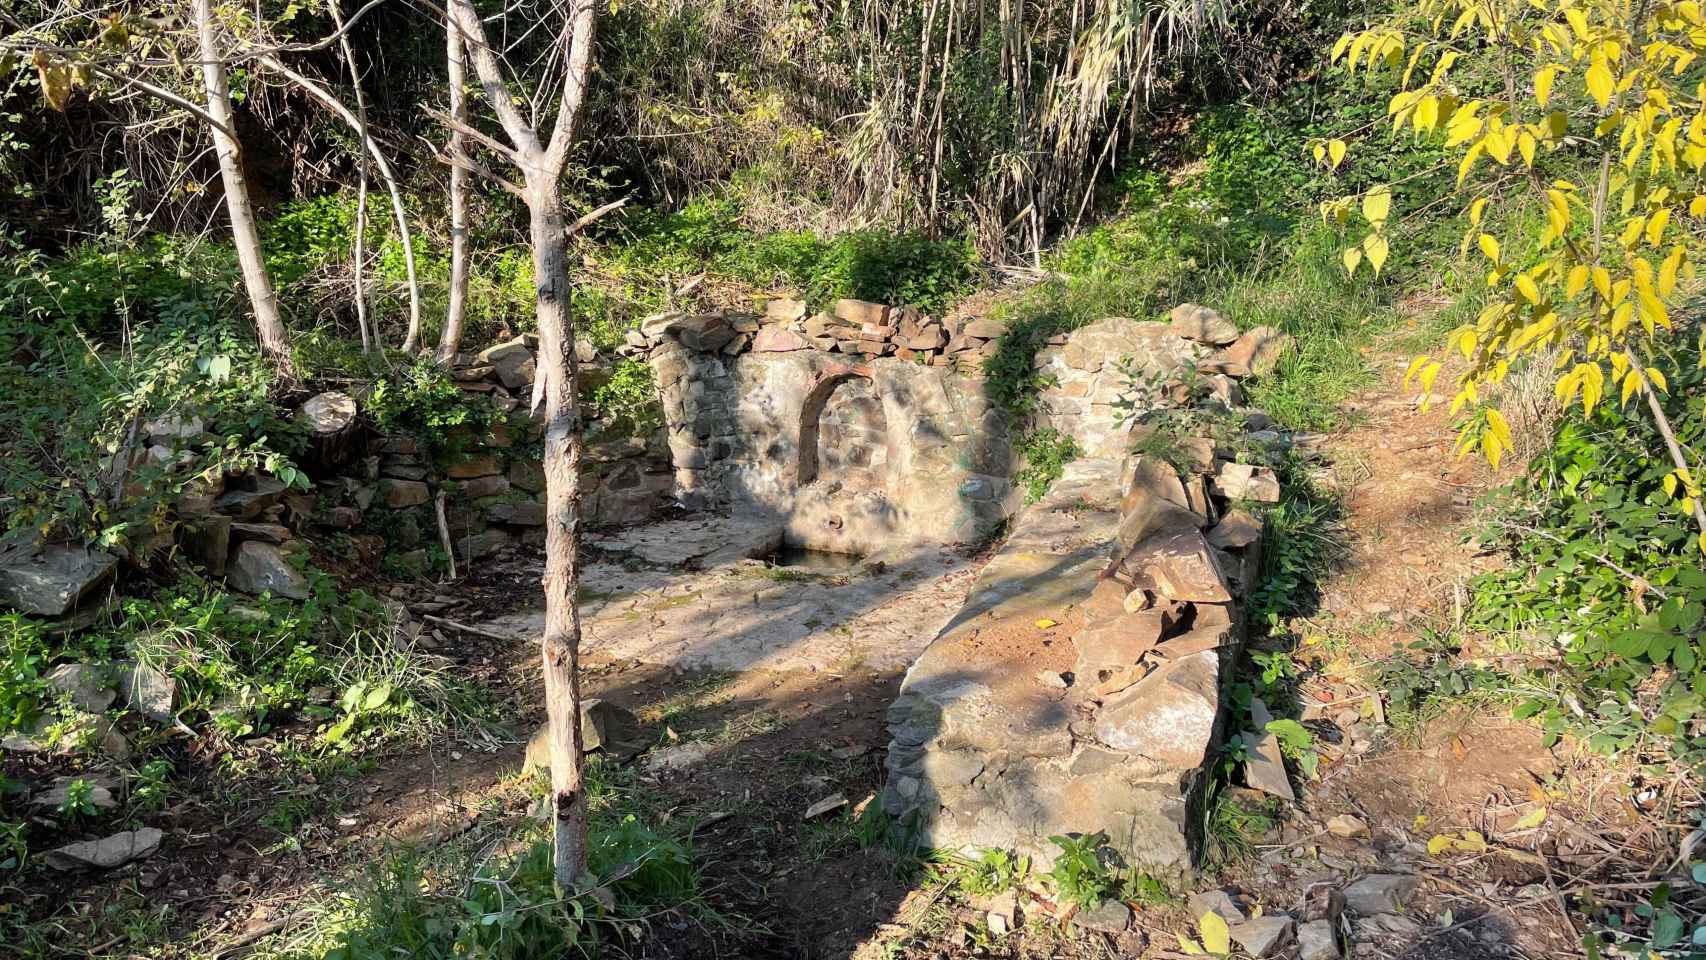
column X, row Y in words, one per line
column 376, row 697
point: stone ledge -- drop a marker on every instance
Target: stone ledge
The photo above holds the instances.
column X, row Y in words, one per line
column 998, row 742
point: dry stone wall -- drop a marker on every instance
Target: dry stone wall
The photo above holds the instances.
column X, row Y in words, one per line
column 1079, row 690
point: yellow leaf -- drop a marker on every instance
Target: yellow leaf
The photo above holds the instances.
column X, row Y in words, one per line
column 1670, row 484
column 1656, row 226
column 1526, row 286
column 1476, row 209
column 1216, row 937
column 1500, row 426
column 1658, row 380
column 1489, row 246
column 1600, row 81
column 1376, row 204
column 1352, row 258
column 1415, row 365
column 1697, row 207
column 1525, row 145
column 1375, row 246
column 1319, row 151
column 1336, row 152
column 1187, row 945
column 1440, row 843
column 1490, row 449
column 1577, row 281
column 1045, row 623
column 1543, row 83
column 1630, row 384
column 1468, row 162
column 1602, row 282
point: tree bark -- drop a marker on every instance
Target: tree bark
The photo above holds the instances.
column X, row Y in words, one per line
column 245, row 235
column 450, row 339
column 560, row 645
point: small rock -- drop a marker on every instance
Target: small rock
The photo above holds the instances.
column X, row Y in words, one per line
column 1264, row 766
column 1263, row 936
column 1217, row 902
column 108, row 852
column 1347, row 826
column 998, row 925
column 1317, row 941
column 258, row 568
column 1203, row 324
column 85, row 684
column 1380, row 893
column 1243, row 481
column 681, row 756
column 1052, row 679
column 100, row 793
column 1110, row 916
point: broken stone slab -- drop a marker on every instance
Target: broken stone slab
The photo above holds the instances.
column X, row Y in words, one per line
column 1346, row 826
column 1169, row 716
column 1109, row 916
column 89, row 687
column 507, row 350
column 1217, row 902
column 1107, row 648
column 1237, row 530
column 258, row 568
column 401, row 494
column 108, row 852
column 1144, row 477
column 985, row 328
column 1203, row 324
column 1264, row 765
column 100, row 793
column 1244, row 481
column 778, row 339
column 860, row 312
column 1317, row 940
column 273, row 533
column 251, row 500
column 1182, row 566
column 49, row 580
column 1259, row 350
column 784, row 310
column 527, row 513
column 1381, row 893
column 1264, row 936
column 148, row 691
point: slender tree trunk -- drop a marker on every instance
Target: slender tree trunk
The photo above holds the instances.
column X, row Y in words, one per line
column 450, row 340
column 244, row 233
column 560, row 645
column 359, row 268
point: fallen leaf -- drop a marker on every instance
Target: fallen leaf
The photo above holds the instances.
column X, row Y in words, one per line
column 1458, row 750
column 1532, row 819
column 832, row 802
column 1046, row 623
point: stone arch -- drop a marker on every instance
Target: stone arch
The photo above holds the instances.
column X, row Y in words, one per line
column 811, row 415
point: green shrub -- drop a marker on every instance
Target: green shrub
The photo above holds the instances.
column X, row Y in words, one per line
column 1045, row 453
column 423, row 402
column 1605, row 576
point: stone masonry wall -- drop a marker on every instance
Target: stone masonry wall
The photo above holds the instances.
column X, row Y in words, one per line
column 1079, row 689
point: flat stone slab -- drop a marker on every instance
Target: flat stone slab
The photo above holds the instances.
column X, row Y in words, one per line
column 698, row 543
column 749, row 616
